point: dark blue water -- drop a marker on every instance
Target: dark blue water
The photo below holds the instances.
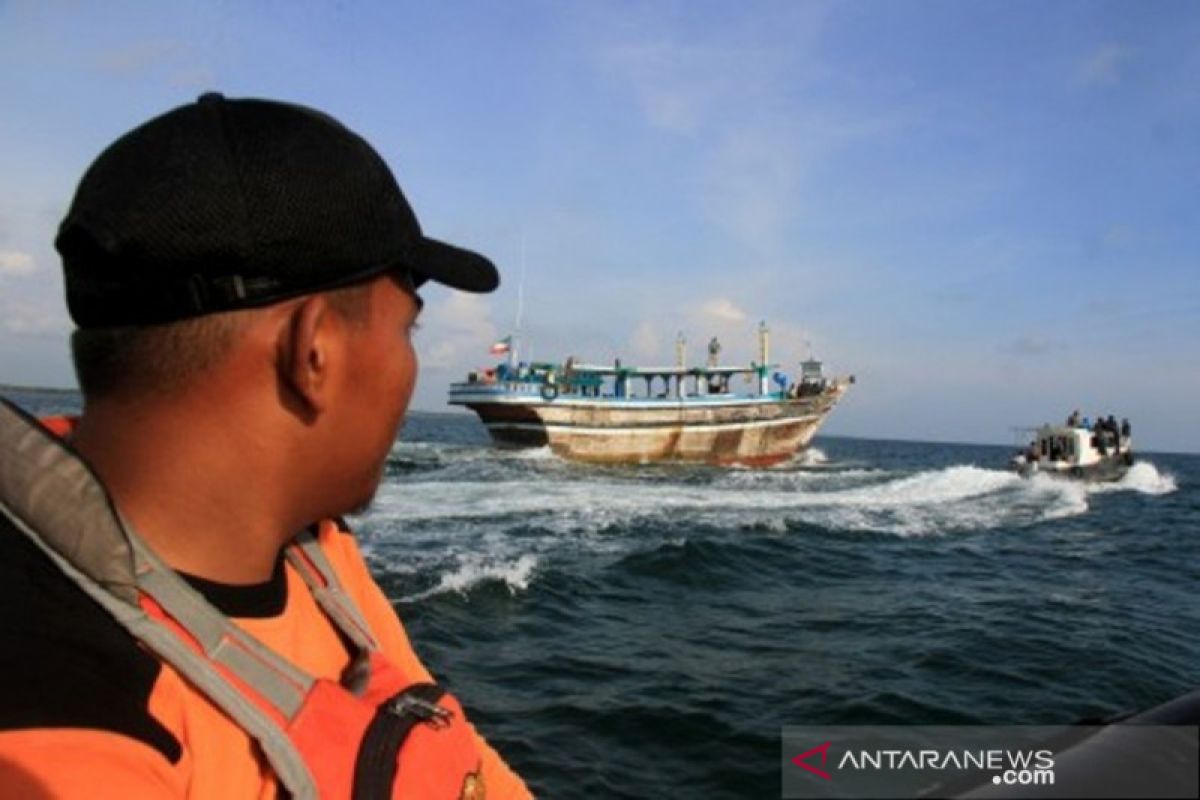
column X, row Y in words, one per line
column 646, row 631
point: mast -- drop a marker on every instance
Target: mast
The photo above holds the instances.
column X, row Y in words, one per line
column 764, row 354
column 680, row 361
column 513, row 356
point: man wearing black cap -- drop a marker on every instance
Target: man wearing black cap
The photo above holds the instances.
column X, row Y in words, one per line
column 187, row 614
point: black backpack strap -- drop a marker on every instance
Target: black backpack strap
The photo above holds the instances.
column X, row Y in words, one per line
column 395, row 718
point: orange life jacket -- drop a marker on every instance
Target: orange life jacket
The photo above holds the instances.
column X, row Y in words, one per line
column 372, row 734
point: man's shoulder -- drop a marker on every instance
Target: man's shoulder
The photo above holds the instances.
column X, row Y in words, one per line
column 339, row 544
column 64, row 662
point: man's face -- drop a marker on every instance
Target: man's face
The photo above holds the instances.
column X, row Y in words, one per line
column 379, row 381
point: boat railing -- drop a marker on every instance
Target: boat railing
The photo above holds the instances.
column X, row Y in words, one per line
column 667, row 384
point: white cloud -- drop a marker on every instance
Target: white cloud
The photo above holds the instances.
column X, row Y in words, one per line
column 455, row 331
column 651, row 340
column 15, row 262
column 724, row 310
column 1103, row 66
column 33, row 320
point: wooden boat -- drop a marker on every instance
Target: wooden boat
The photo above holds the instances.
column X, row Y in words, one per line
column 638, row 414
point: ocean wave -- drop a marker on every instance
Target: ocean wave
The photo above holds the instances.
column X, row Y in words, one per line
column 473, row 570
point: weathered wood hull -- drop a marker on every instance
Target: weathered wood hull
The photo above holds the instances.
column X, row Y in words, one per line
column 748, row 431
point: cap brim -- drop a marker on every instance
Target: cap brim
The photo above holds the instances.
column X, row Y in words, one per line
column 452, row 266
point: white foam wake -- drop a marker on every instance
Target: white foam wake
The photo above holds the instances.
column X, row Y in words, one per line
column 475, row 569
column 812, row 457
column 944, row 500
column 1142, row 477
column 469, row 532
column 543, row 453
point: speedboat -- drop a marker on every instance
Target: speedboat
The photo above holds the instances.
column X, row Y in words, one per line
column 1090, row 453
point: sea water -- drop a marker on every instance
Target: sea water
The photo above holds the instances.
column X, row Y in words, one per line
column 646, row 631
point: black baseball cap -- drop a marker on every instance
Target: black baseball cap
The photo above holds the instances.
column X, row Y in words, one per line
column 235, row 203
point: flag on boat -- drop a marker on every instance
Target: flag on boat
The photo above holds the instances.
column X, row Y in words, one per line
column 501, row 347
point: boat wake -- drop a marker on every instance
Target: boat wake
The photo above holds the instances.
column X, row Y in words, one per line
column 472, row 521
column 1142, row 477
column 812, row 457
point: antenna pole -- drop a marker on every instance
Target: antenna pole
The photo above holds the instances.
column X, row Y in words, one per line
column 516, row 339
column 764, row 348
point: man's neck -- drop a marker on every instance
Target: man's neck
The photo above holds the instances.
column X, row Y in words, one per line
column 204, row 493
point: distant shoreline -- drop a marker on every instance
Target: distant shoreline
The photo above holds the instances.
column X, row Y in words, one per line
column 4, row 387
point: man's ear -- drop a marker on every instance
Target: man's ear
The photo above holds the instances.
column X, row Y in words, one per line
column 304, row 352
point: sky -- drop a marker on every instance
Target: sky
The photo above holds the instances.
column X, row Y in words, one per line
column 988, row 212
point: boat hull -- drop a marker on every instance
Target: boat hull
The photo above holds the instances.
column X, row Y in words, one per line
column 1111, row 468
column 750, row 431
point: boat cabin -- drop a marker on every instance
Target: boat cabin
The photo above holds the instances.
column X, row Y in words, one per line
column 1075, row 451
column 1072, row 445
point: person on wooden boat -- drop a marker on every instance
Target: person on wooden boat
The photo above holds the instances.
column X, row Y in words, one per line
column 188, row 615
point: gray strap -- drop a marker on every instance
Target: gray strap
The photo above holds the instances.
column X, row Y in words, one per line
column 53, row 498
column 48, row 486
column 328, row 591
column 285, row 760
column 271, row 675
